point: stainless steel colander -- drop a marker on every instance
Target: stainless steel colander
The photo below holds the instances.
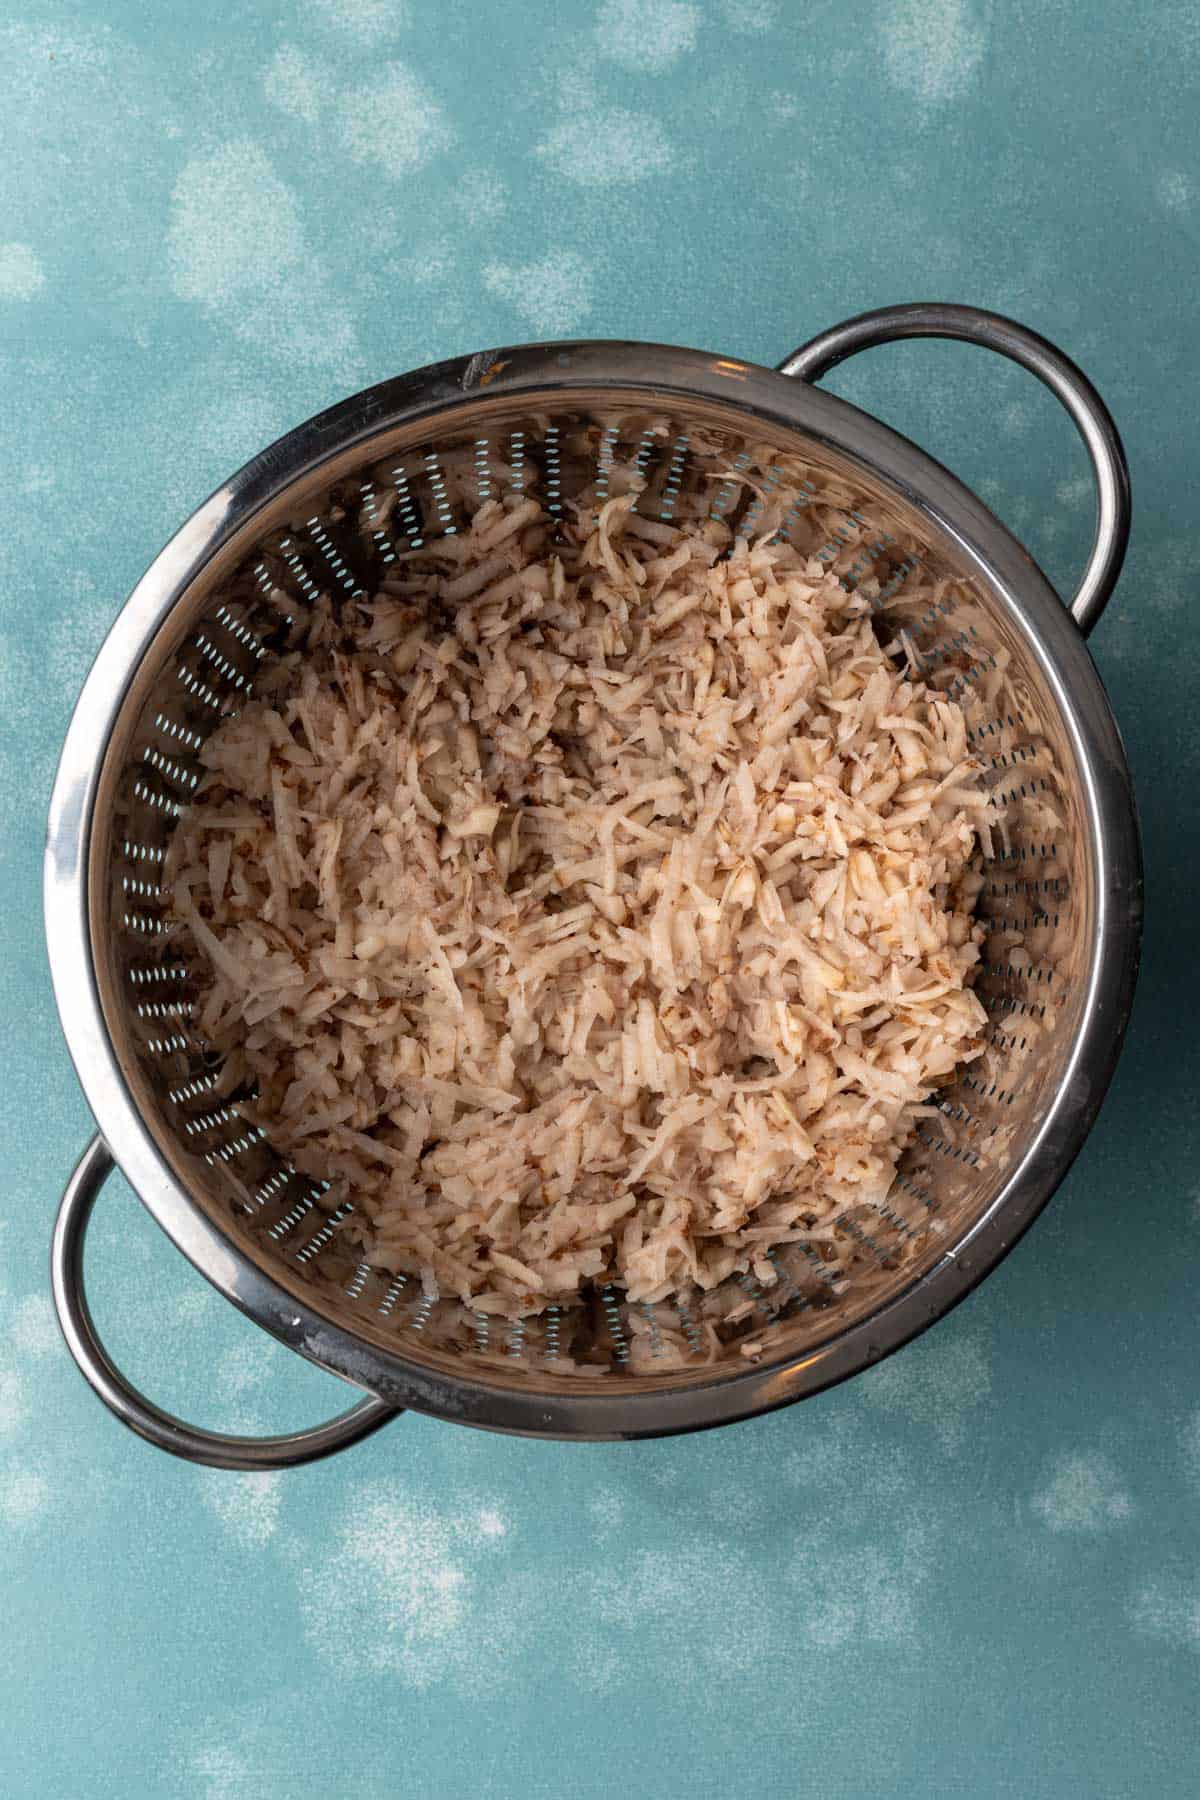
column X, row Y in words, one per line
column 324, row 511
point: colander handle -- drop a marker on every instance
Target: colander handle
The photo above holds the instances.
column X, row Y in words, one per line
column 217, row 1449
column 1068, row 383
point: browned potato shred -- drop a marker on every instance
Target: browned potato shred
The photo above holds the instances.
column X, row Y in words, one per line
column 589, row 909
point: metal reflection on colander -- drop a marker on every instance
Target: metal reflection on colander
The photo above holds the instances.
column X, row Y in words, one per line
column 323, row 514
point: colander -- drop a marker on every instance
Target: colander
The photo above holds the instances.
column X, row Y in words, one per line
column 325, row 511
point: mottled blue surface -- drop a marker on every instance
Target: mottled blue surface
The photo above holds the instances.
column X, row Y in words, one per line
column 975, row 1571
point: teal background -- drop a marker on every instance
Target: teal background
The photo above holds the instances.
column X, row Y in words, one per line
column 975, row 1571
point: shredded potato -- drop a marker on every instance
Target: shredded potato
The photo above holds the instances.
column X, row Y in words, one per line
column 589, row 908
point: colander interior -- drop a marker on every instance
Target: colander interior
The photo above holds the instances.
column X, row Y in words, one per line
column 337, row 533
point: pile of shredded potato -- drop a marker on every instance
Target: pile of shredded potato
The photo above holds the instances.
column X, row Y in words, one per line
column 589, row 908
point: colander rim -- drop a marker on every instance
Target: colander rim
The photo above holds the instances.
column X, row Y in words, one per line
column 657, row 372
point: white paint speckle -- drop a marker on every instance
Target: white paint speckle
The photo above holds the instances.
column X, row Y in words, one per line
column 1168, row 1612
column 237, row 246
column 86, row 110
column 234, row 226
column 1075, row 493
column 15, row 1405
column 394, row 123
column 431, row 264
column 932, row 50
column 24, row 1495
column 366, row 21
column 698, row 1572
column 75, row 636
column 481, row 196
column 1189, row 1445
column 1083, row 1493
column 1172, row 573
column 938, row 1381
column 860, row 1592
column 247, row 1365
column 23, row 804
column 841, row 1455
column 247, row 1505
column 605, row 147
column 21, row 273
column 33, row 1330
column 194, row 1304
column 1175, row 191
column 296, row 85
column 1016, row 420
column 606, row 1507
column 648, row 35
column 596, row 1668
column 721, row 1607
column 750, row 17
column 552, row 295
column 395, row 1592
column 224, row 1772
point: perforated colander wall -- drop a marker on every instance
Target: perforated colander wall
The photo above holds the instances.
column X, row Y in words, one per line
column 341, row 544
